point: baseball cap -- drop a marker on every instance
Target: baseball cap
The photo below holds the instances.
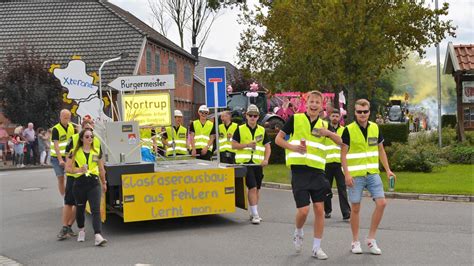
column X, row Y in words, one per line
column 178, row 113
column 253, row 109
column 203, row 108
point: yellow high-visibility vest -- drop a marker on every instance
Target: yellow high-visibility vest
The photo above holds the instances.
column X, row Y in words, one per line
column 202, row 133
column 225, row 143
column 363, row 155
column 64, row 136
column 92, row 162
column 176, row 139
column 316, row 146
column 333, row 150
column 75, row 140
column 247, row 155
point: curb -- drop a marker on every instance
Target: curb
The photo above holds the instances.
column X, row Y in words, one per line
column 393, row 195
column 24, row 168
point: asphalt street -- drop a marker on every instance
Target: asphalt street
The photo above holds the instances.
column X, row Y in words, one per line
column 411, row 233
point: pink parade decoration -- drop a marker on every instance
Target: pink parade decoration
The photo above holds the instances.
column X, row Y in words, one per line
column 254, row 87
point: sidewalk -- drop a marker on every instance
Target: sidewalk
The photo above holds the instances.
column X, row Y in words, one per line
column 393, row 195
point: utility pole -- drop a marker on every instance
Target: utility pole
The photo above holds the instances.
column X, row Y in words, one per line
column 438, row 77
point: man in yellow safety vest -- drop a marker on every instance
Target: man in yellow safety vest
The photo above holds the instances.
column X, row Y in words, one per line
column 61, row 133
column 175, row 138
column 202, row 134
column 252, row 147
column 360, row 155
column 306, row 157
column 226, row 131
column 334, row 170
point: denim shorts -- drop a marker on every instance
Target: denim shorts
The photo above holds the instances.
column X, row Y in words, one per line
column 371, row 182
column 58, row 169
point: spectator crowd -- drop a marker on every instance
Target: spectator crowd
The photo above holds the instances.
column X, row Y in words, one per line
column 26, row 146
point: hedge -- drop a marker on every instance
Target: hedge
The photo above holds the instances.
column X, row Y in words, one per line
column 448, row 121
column 394, row 133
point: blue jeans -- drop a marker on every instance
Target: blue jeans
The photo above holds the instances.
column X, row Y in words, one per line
column 58, row 169
column 371, row 182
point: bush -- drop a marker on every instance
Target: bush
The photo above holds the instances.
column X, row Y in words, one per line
column 469, row 137
column 414, row 158
column 448, row 137
column 394, row 133
column 459, row 154
column 278, row 153
column 448, row 121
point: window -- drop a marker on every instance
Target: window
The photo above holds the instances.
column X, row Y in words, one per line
column 468, row 117
column 188, row 79
column 157, row 63
column 172, row 66
column 148, row 60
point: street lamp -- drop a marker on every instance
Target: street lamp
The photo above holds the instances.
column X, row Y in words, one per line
column 120, row 56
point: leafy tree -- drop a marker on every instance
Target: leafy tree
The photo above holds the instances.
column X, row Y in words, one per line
column 28, row 92
column 304, row 45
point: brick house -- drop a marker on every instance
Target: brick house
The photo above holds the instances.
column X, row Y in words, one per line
column 96, row 30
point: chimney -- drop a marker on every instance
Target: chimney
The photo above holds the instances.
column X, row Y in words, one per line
column 195, row 52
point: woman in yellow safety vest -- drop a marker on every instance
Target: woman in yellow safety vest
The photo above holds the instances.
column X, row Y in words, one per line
column 87, row 166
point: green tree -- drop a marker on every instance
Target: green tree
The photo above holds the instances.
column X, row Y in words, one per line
column 304, row 45
column 28, row 92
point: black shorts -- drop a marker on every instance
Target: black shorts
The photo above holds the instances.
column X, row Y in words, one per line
column 309, row 183
column 254, row 176
column 68, row 195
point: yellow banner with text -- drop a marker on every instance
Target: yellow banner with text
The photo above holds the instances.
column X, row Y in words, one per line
column 162, row 195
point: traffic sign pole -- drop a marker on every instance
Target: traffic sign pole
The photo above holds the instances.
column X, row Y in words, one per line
column 216, row 120
column 215, row 83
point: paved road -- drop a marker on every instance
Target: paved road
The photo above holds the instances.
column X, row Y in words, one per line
column 412, row 232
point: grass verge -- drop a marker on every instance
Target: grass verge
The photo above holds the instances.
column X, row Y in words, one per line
column 455, row 179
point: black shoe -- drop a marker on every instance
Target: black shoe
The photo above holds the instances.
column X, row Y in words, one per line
column 70, row 232
column 63, row 233
column 346, row 218
column 327, row 215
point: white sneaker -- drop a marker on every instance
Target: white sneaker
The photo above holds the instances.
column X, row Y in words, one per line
column 319, row 254
column 99, row 240
column 22, row 165
column 373, row 248
column 251, row 217
column 298, row 241
column 81, row 236
column 356, row 249
column 256, row 219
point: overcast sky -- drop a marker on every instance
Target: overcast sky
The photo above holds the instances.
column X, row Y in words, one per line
column 225, row 35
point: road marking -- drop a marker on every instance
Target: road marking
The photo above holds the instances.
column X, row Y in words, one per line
column 7, row 261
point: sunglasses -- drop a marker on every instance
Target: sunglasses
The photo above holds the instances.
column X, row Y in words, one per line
column 88, row 136
column 362, row 111
column 254, row 116
column 204, row 113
